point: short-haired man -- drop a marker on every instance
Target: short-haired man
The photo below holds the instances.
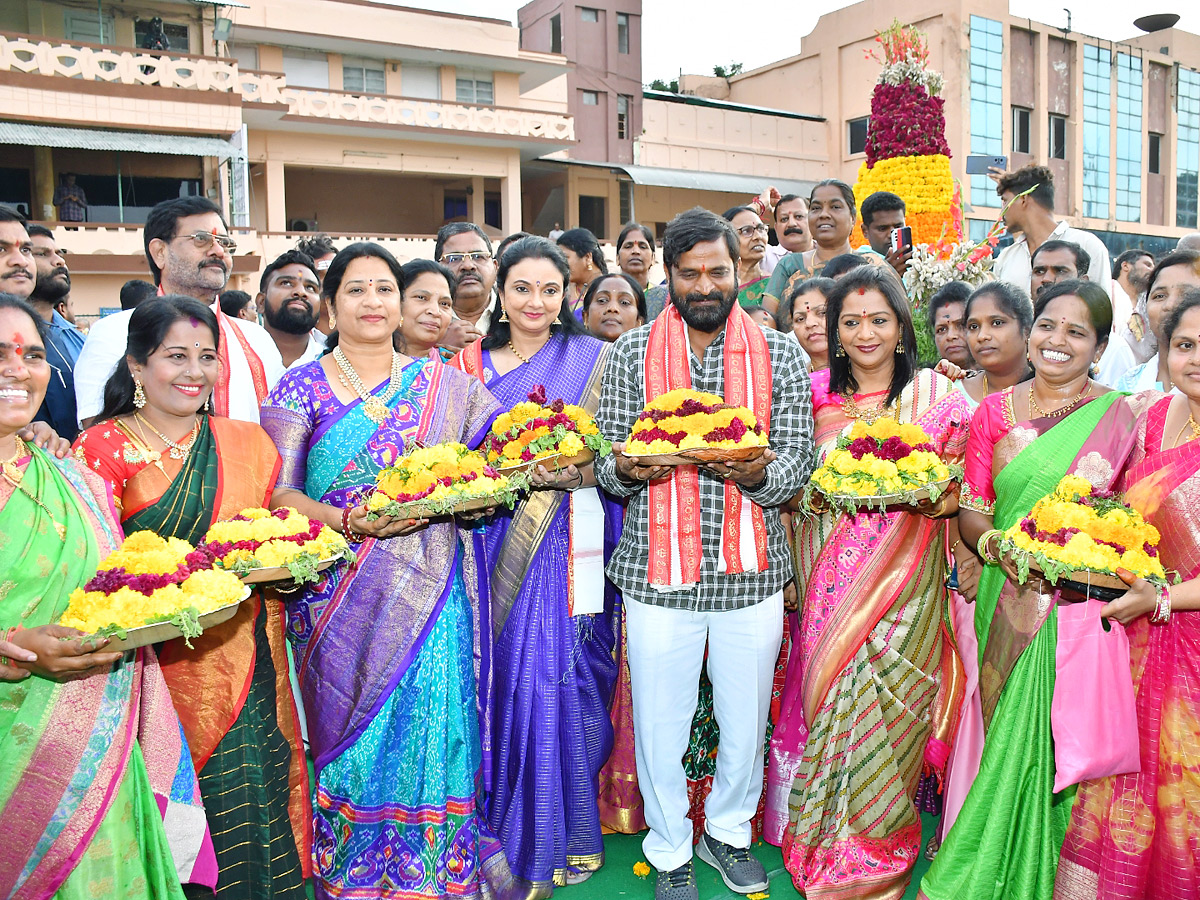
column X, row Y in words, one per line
column 1031, row 219
column 65, row 340
column 724, row 590
column 190, row 252
column 791, row 223
column 464, row 249
column 1132, row 341
column 882, row 213
column 134, row 291
column 18, row 274
column 321, row 250
column 1056, row 261
column 289, row 295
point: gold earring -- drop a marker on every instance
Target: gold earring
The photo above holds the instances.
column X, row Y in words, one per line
column 139, row 395
column 900, row 348
column 503, row 313
column 841, row 351
column 332, row 319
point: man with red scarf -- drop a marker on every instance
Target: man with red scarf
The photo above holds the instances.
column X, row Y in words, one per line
column 703, row 557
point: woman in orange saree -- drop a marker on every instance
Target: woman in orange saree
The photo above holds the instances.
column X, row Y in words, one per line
column 175, row 470
column 1134, row 836
column 873, row 684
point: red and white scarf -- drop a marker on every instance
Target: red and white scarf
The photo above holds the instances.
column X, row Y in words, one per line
column 676, row 546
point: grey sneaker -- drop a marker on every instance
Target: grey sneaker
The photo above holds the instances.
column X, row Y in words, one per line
column 678, row 884
column 741, row 872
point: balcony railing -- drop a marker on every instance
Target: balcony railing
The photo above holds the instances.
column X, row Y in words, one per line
column 202, row 73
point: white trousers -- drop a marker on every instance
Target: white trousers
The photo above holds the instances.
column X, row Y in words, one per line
column 666, row 652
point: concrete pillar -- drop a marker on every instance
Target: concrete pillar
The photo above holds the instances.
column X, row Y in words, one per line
column 475, row 200
column 510, row 196
column 276, row 200
column 44, row 180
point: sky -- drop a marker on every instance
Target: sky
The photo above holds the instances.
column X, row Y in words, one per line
column 678, row 35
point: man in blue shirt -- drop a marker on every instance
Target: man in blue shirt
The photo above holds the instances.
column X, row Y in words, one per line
column 52, row 287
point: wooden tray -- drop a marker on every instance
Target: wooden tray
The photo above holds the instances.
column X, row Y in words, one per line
column 696, row 455
column 552, row 462
column 158, row 632
column 280, row 573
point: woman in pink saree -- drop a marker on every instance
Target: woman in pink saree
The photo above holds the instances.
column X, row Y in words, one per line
column 873, row 683
column 1135, row 836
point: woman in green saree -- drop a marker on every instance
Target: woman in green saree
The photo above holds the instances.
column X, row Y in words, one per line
column 1006, row 840
column 90, row 745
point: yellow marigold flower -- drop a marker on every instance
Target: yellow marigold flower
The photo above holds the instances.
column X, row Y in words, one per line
column 641, row 869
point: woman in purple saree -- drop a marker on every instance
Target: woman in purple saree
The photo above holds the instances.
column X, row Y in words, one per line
column 553, row 612
column 388, row 650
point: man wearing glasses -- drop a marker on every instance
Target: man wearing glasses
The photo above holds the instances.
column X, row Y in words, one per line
column 53, row 285
column 190, row 252
column 465, row 250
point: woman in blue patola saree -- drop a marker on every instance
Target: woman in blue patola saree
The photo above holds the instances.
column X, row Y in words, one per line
column 388, row 650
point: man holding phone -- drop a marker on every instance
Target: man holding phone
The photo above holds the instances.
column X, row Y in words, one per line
column 883, row 213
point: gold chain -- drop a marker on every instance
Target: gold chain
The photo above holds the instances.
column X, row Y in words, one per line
column 376, row 408
column 8, row 468
column 517, row 353
column 174, row 450
column 1034, row 408
column 852, row 410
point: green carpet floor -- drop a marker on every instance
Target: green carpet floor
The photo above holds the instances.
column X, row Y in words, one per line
column 621, row 851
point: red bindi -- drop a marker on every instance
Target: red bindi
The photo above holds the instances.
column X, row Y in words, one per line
column 862, row 292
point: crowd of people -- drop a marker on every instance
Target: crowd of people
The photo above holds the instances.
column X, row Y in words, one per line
column 693, row 651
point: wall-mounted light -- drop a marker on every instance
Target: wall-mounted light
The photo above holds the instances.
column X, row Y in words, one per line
column 221, row 28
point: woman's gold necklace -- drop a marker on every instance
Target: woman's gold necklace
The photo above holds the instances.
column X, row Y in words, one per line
column 176, row 450
column 870, row 415
column 1192, row 424
column 15, row 477
column 1034, row 408
column 376, row 408
column 519, row 355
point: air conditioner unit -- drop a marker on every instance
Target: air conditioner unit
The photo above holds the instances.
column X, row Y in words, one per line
column 302, row 225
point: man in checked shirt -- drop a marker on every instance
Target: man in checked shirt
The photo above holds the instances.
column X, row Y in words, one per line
column 726, row 586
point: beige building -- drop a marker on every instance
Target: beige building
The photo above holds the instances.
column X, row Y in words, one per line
column 355, row 118
column 1117, row 122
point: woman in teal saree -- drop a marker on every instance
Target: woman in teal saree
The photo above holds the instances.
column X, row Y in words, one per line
column 388, row 650
column 1024, row 440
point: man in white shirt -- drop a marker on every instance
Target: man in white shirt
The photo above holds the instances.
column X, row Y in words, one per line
column 190, row 252
column 1132, row 340
column 1175, row 273
column 1031, row 219
column 464, row 249
column 289, row 295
